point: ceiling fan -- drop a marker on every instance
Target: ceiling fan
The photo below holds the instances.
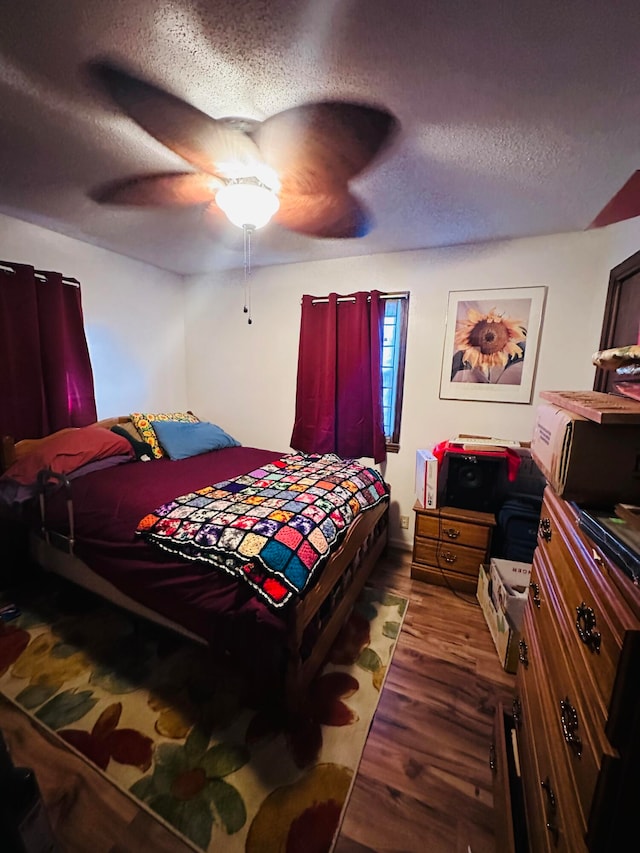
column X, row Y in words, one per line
column 297, row 163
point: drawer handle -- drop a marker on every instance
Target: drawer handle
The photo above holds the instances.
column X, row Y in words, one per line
column 451, row 532
column 533, row 586
column 492, row 757
column 516, row 712
column 523, row 655
column 448, row 557
column 551, row 809
column 545, row 529
column 569, row 722
column 586, row 627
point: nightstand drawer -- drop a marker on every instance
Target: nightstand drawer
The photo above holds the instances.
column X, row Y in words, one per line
column 449, row 544
column 448, row 555
column 453, row 530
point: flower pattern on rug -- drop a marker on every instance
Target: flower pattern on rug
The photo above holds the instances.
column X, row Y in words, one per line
column 145, row 706
column 188, row 788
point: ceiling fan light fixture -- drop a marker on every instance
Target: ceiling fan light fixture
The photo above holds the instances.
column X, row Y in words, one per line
column 247, row 202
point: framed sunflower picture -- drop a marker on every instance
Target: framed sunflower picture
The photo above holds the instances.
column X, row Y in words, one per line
column 491, row 344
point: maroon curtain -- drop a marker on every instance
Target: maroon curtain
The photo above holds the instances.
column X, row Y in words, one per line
column 46, row 380
column 339, row 392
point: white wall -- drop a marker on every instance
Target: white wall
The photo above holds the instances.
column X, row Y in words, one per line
column 622, row 241
column 157, row 342
column 244, row 377
column 134, row 317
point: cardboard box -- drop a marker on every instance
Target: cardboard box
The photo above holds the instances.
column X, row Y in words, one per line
column 586, row 461
column 510, row 587
column 426, row 479
column 505, row 636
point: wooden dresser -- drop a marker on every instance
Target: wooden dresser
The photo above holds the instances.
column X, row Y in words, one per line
column 576, row 714
column 449, row 544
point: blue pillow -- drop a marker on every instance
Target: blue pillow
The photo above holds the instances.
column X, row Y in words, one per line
column 181, row 440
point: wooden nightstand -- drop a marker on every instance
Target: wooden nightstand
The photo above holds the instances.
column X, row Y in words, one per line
column 449, row 544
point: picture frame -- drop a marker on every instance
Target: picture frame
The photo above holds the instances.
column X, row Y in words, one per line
column 621, row 325
column 491, row 344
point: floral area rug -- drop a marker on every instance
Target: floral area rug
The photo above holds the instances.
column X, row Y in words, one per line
column 148, row 708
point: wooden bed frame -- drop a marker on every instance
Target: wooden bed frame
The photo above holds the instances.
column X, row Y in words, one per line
column 314, row 620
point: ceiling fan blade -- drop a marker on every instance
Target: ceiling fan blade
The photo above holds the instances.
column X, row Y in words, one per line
column 179, row 189
column 318, row 147
column 337, row 215
column 625, row 204
column 215, row 146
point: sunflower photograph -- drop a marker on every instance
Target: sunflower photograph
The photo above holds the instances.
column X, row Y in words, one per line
column 491, row 344
column 488, row 341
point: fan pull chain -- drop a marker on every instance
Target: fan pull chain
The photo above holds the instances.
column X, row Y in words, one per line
column 246, row 231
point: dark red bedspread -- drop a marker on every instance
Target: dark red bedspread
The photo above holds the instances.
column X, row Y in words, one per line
column 108, row 505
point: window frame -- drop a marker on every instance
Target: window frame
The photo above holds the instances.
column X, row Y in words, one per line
column 402, row 298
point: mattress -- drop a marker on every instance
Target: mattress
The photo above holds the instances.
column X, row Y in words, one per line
column 108, row 505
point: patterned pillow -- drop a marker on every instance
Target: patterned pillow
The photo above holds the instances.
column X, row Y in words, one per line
column 129, row 428
column 143, row 422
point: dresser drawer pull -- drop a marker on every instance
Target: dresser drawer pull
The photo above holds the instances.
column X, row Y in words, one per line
column 544, row 529
column 533, row 586
column 551, row 810
column 451, row 532
column 523, row 655
column 586, row 627
column 492, row 757
column 569, row 722
column 448, row 557
column 516, row 712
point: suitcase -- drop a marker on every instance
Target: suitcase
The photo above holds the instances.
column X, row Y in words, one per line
column 516, row 531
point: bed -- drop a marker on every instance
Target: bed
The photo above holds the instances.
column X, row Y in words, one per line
column 103, row 525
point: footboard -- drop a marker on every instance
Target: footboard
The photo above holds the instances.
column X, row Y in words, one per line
column 318, row 617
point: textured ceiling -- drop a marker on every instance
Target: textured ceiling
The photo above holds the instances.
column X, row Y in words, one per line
column 516, row 118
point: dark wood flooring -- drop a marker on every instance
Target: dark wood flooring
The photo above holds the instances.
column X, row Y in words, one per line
column 424, row 782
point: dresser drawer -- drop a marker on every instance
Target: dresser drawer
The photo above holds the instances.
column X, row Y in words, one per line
column 450, row 529
column 448, row 555
column 508, row 806
column 575, row 722
column 579, row 692
column 593, row 624
column 554, row 819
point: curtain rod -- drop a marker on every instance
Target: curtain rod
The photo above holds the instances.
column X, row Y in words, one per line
column 7, row 266
column 322, row 299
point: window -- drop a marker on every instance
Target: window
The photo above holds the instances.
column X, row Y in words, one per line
column 394, row 344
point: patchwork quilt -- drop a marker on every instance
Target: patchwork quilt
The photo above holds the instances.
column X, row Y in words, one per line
column 273, row 527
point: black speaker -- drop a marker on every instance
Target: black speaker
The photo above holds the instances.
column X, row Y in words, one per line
column 473, row 481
